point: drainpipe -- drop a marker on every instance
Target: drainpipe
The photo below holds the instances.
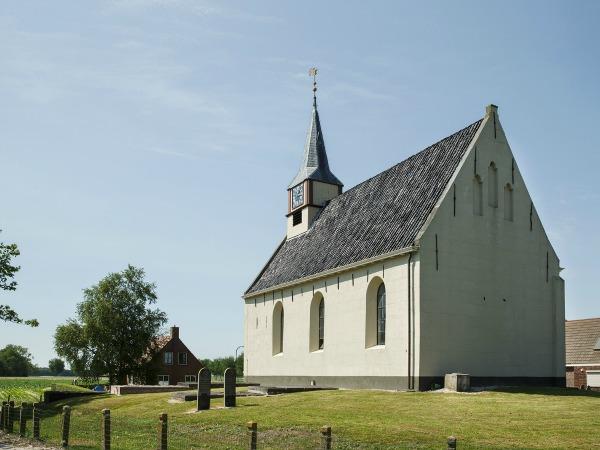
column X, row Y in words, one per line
column 409, row 378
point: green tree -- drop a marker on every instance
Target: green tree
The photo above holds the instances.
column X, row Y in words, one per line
column 15, row 361
column 115, row 327
column 217, row 366
column 7, row 282
column 56, row 366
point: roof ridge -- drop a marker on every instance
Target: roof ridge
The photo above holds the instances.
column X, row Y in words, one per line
column 378, row 215
column 581, row 320
column 406, row 159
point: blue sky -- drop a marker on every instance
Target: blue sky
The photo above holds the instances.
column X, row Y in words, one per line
column 163, row 133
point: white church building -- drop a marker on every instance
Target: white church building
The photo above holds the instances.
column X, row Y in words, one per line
column 436, row 265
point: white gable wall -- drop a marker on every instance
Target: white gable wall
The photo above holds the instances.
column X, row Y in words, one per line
column 518, row 330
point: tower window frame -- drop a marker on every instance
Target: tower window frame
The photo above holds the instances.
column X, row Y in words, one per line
column 296, row 218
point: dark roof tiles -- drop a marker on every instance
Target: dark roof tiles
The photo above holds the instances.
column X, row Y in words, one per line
column 378, row 216
column 315, row 165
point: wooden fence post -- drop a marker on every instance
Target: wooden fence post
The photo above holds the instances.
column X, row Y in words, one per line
column 23, row 418
column 10, row 417
column 451, row 443
column 326, row 438
column 163, row 432
column 36, row 421
column 252, row 435
column 3, row 415
column 106, row 429
column 66, row 420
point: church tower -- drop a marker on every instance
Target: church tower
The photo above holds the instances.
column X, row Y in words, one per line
column 314, row 184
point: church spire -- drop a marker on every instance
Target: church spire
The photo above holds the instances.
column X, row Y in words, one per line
column 314, row 163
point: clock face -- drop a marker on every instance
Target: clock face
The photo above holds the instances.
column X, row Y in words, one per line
column 297, row 196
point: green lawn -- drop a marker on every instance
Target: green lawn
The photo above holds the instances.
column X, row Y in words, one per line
column 542, row 419
column 29, row 389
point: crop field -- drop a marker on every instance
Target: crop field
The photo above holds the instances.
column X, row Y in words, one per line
column 526, row 418
column 29, row 389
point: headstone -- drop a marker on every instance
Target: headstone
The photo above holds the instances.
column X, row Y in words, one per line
column 204, row 380
column 229, row 386
column 459, row 382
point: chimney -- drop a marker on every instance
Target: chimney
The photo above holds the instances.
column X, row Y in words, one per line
column 174, row 332
column 491, row 109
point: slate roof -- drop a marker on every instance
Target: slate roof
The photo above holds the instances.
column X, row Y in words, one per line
column 581, row 337
column 314, row 163
column 378, row 216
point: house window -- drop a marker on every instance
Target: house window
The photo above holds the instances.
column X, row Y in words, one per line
column 297, row 218
column 190, row 378
column 163, row 380
column 168, row 358
column 278, row 327
column 381, row 315
column 182, row 359
column 321, row 323
column 477, row 196
column 493, row 185
column 508, row 202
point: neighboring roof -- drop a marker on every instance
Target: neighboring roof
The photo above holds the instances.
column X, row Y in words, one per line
column 581, row 337
column 314, row 163
column 381, row 215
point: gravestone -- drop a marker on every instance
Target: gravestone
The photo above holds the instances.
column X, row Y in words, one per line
column 229, row 386
column 204, row 380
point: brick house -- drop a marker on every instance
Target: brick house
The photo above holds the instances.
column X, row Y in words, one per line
column 583, row 353
column 175, row 362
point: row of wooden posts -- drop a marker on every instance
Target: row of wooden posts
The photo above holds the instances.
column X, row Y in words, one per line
column 9, row 413
column 26, row 410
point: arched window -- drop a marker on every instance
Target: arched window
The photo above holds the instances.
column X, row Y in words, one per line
column 375, row 313
column 381, row 315
column 493, row 185
column 278, row 326
column 508, row 202
column 317, row 323
column 477, row 196
column 321, row 323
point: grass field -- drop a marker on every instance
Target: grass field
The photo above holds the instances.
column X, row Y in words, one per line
column 29, row 389
column 532, row 419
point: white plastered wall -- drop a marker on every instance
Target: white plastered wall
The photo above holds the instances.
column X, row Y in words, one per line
column 344, row 353
column 487, row 310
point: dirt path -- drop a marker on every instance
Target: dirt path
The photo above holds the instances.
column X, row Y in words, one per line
column 12, row 442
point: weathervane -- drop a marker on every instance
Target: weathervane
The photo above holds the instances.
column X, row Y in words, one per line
column 313, row 73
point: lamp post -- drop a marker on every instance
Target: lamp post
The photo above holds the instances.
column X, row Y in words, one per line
column 235, row 362
column 236, row 351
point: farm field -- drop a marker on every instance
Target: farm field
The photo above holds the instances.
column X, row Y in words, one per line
column 531, row 418
column 29, row 389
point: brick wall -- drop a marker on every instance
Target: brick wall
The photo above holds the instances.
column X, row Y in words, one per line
column 577, row 376
column 176, row 371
